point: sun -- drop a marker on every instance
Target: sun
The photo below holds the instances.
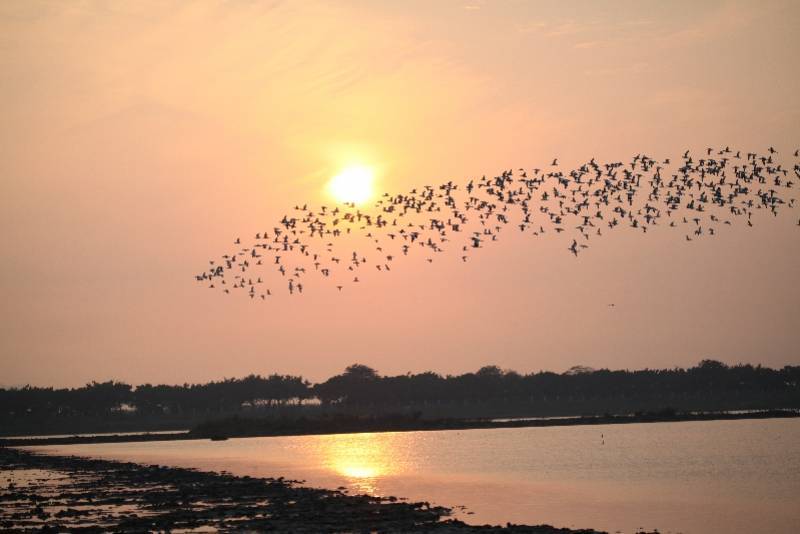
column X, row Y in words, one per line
column 353, row 184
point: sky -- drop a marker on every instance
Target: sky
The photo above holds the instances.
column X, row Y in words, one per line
column 139, row 139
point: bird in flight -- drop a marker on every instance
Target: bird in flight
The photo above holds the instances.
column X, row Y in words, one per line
column 694, row 194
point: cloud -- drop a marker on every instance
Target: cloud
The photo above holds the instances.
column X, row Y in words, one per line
column 589, row 44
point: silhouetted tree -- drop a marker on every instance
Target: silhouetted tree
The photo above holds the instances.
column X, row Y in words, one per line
column 709, row 384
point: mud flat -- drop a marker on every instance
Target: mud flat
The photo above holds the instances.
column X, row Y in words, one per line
column 249, row 427
column 46, row 493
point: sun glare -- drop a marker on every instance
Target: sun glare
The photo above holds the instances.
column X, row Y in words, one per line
column 353, row 184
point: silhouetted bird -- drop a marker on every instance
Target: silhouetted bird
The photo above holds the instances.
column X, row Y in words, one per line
column 700, row 193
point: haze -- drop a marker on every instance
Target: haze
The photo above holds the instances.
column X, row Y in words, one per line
column 139, row 140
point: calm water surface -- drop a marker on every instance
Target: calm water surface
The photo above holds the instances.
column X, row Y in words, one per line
column 691, row 477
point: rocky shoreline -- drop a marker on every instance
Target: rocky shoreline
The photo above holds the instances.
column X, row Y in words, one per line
column 47, row 493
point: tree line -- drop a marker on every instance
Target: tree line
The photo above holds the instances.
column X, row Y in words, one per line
column 362, row 386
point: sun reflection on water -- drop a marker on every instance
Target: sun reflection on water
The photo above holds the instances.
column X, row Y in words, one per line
column 362, row 459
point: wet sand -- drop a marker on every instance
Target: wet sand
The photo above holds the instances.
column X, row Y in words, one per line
column 46, row 493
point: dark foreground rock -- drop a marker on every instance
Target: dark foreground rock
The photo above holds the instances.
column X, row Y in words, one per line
column 43, row 493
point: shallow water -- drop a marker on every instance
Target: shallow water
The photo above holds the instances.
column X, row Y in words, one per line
column 691, row 477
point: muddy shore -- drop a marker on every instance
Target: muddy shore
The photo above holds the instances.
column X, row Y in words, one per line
column 236, row 426
column 45, row 493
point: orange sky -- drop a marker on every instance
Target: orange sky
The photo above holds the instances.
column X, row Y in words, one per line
column 139, row 139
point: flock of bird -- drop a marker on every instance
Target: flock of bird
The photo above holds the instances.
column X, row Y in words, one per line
column 697, row 194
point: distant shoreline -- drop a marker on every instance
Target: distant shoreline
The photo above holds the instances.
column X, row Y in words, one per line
column 239, row 427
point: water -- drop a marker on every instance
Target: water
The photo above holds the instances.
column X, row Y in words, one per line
column 690, row 477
